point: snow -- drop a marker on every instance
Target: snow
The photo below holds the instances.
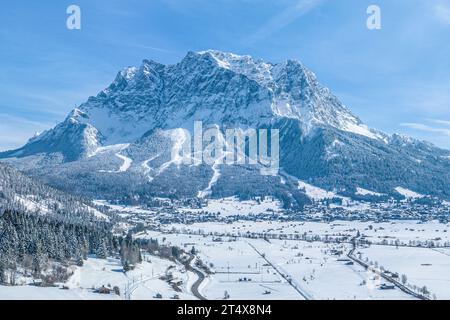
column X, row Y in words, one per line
column 142, row 283
column 98, row 214
column 242, row 261
column 312, row 268
column 31, row 205
column 232, row 206
column 118, row 123
column 90, row 139
column 408, row 193
column 123, row 167
column 315, row 193
column 116, row 128
column 179, row 137
column 126, row 163
column 37, row 293
column 364, row 192
column 256, row 70
column 319, row 270
column 46, row 206
column 122, row 208
column 282, row 107
column 215, row 177
column 215, row 167
column 321, row 274
column 376, row 232
column 116, row 149
column 360, row 129
column 129, row 73
column 222, row 63
column 332, row 150
column 111, row 148
column 146, row 167
column 422, row 266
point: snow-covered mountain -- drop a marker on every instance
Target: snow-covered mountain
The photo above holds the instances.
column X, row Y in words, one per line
column 119, row 143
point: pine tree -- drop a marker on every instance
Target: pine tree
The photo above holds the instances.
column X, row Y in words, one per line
column 102, row 251
column 2, row 271
column 38, row 260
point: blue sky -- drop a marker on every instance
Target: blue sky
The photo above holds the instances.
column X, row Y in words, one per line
column 396, row 79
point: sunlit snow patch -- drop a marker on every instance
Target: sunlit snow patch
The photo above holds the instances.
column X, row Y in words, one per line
column 315, row 193
column 365, row 192
column 408, row 193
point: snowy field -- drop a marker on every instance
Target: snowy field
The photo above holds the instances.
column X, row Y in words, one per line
column 143, row 283
column 36, row 293
column 315, row 270
column 407, row 232
column 237, row 268
column 422, row 266
column 323, row 272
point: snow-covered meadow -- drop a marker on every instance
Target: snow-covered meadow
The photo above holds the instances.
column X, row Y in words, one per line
column 279, row 269
column 418, row 250
column 407, row 232
column 427, row 267
column 142, row 283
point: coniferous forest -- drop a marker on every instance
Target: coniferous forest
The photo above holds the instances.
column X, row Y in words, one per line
column 33, row 243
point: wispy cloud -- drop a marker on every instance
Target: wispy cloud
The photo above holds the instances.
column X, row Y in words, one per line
column 442, row 13
column 426, row 128
column 145, row 47
column 441, row 122
column 279, row 21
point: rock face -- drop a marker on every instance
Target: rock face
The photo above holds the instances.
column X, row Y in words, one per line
column 119, row 143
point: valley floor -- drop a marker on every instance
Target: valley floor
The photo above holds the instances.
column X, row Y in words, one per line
column 253, row 259
column 280, row 269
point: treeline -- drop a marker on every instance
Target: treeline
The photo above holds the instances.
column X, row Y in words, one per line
column 44, row 246
column 32, row 242
column 20, row 193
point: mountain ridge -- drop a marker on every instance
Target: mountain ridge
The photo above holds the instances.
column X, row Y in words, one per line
column 321, row 140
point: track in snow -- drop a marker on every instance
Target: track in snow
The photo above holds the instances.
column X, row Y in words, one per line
column 124, row 167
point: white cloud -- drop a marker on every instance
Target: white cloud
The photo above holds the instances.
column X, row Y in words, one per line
column 442, row 13
column 426, row 128
column 145, row 47
column 441, row 122
column 289, row 15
